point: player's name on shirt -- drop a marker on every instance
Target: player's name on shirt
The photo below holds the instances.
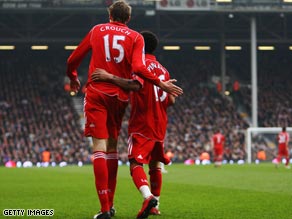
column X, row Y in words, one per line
column 154, row 65
column 115, row 28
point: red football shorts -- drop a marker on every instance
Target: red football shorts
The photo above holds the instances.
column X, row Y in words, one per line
column 143, row 150
column 103, row 114
column 218, row 151
column 282, row 151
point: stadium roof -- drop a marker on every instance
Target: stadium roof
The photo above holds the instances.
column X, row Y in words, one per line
column 68, row 25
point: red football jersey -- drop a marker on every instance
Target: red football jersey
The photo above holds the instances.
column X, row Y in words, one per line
column 115, row 48
column 218, row 140
column 283, row 138
column 148, row 105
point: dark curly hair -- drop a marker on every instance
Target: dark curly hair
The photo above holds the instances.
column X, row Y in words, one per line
column 151, row 41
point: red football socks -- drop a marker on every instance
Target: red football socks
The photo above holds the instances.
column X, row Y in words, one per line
column 155, row 181
column 101, row 179
column 112, row 165
column 287, row 161
column 139, row 177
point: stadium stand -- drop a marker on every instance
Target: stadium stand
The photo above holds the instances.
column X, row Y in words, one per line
column 37, row 115
column 274, row 101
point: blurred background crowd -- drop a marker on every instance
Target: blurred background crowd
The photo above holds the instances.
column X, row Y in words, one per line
column 37, row 115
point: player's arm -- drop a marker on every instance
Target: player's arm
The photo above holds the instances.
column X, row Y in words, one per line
column 139, row 68
column 126, row 84
column 171, row 99
column 170, row 87
column 75, row 60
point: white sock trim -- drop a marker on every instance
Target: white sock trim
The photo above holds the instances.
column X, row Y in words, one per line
column 145, row 191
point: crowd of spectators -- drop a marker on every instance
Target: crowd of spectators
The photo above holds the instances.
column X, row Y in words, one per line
column 37, row 115
column 274, row 99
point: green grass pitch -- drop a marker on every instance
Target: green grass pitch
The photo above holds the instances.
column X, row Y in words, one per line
column 198, row 192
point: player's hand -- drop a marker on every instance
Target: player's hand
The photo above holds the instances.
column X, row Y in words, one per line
column 101, row 75
column 170, row 87
column 75, row 85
